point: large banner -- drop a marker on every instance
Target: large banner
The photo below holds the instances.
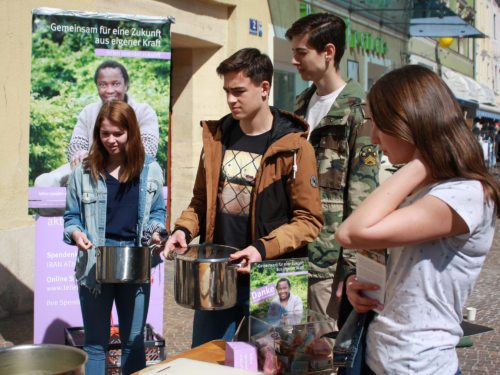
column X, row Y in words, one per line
column 56, row 303
column 68, row 87
column 67, row 48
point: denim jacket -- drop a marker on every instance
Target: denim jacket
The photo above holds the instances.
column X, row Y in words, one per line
column 86, row 202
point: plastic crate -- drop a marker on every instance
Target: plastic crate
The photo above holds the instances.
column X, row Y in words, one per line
column 154, row 346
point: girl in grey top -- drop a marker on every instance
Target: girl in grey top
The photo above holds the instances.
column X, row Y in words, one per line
column 436, row 216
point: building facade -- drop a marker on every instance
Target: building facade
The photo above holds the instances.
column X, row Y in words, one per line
column 372, row 47
column 487, row 56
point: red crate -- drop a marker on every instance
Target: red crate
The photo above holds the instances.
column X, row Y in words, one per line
column 153, row 342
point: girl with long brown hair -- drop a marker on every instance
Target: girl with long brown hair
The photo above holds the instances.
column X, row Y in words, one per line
column 114, row 198
column 436, row 216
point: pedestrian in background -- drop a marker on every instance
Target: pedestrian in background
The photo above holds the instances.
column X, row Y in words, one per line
column 436, row 216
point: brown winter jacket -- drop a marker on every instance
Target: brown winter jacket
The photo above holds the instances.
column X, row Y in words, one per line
column 286, row 210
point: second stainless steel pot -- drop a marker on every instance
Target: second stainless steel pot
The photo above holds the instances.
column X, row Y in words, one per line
column 204, row 277
column 123, row 264
column 42, row 359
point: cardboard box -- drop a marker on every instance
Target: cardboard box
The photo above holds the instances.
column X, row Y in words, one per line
column 241, row 355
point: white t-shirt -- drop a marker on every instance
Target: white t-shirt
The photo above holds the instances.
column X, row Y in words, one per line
column 427, row 287
column 319, row 106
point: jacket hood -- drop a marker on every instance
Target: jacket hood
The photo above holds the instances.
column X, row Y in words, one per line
column 283, row 123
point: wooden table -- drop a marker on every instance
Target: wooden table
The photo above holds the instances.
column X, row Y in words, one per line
column 213, row 352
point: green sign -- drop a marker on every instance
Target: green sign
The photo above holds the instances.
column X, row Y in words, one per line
column 354, row 39
column 365, row 41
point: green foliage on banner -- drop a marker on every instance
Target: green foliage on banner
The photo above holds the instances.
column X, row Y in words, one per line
column 63, row 67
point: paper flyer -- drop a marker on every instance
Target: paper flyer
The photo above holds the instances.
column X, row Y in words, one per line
column 371, row 268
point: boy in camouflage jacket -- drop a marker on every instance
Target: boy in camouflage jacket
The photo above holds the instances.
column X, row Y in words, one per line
column 348, row 164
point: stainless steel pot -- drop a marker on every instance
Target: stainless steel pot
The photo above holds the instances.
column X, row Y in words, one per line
column 123, row 264
column 43, row 359
column 204, row 278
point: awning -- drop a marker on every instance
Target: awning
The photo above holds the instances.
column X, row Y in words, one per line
column 463, row 87
column 448, row 26
column 472, row 94
column 418, row 18
column 489, row 112
column 487, row 95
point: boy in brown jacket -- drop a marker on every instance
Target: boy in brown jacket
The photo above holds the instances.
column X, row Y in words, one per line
column 256, row 187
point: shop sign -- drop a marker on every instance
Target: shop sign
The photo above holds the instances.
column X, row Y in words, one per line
column 365, row 41
column 357, row 39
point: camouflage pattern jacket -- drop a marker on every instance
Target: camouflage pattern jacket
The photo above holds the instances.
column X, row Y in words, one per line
column 348, row 167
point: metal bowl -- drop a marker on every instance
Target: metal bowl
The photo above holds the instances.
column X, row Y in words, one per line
column 42, row 359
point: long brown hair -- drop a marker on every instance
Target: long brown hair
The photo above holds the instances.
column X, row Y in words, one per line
column 122, row 115
column 412, row 103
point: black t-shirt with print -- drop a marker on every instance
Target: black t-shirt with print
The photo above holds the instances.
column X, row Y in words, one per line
column 240, row 164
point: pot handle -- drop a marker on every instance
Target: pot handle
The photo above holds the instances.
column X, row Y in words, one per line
column 234, row 265
column 157, row 248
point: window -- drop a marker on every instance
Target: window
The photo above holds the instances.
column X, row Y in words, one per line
column 375, row 71
column 494, row 26
column 287, row 86
column 353, row 70
column 496, row 80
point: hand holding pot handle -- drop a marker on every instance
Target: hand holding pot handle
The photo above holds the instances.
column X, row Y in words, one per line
column 157, row 243
column 155, row 238
column 176, row 240
column 248, row 255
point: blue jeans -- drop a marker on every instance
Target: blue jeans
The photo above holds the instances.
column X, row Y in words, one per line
column 222, row 324
column 132, row 301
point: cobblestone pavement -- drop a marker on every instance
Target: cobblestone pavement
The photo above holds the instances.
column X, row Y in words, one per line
column 484, row 356
column 481, row 359
column 177, row 322
column 16, row 330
